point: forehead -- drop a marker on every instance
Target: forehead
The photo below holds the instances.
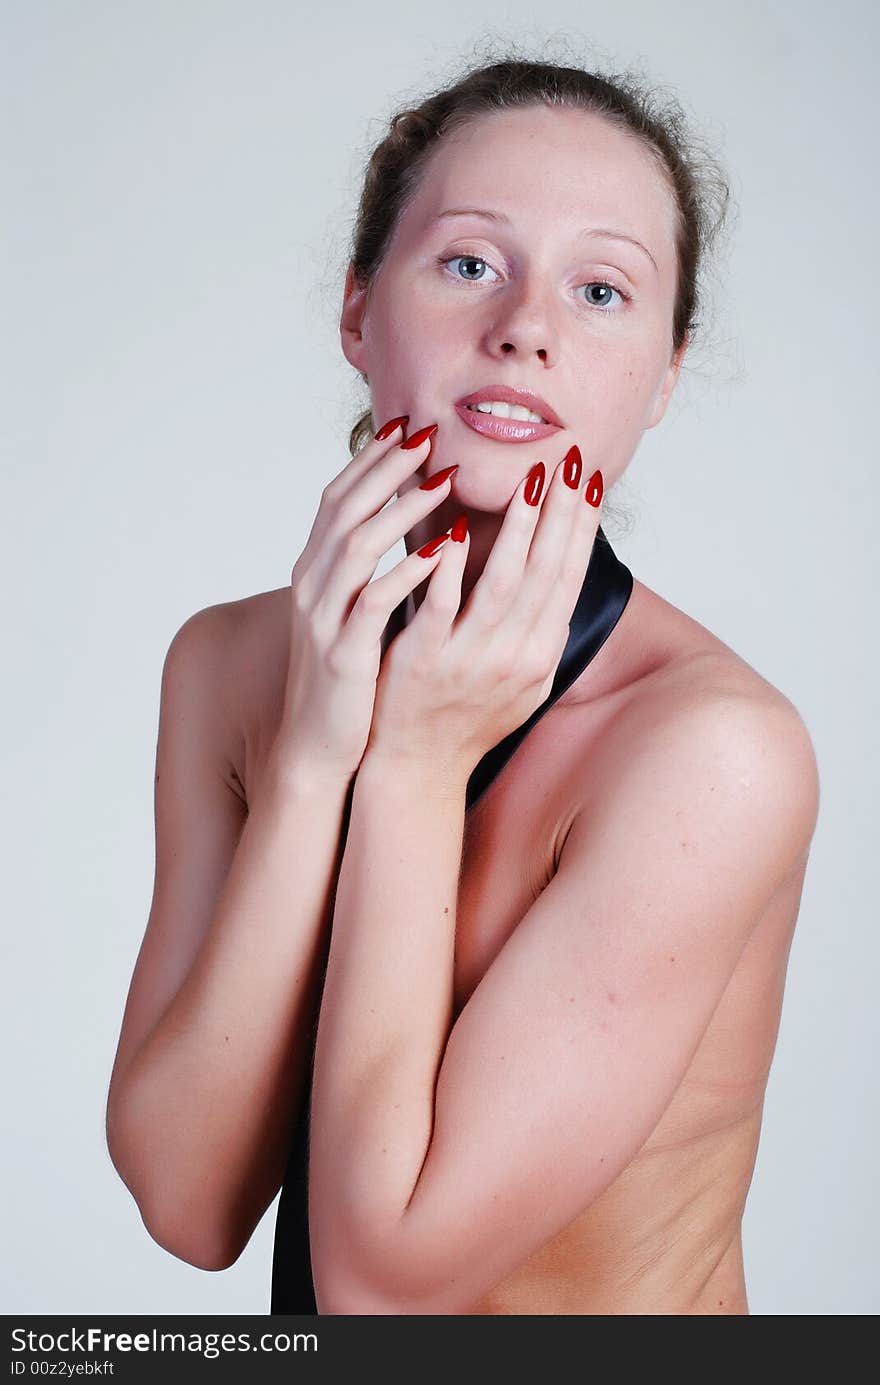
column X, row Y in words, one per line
column 533, row 161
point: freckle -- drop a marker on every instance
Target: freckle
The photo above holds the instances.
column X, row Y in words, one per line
column 672, row 959
column 721, row 1303
column 602, row 1159
column 446, row 910
column 226, row 1037
column 571, row 1000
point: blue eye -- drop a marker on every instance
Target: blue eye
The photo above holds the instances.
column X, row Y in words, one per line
column 471, row 278
column 467, row 259
column 601, row 284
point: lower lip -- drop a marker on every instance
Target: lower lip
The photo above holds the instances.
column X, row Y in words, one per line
column 504, row 429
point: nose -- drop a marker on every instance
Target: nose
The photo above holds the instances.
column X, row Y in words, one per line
column 524, row 325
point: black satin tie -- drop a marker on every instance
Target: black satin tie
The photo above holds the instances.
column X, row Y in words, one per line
column 603, row 597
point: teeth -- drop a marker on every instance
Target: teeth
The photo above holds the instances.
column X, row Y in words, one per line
column 500, row 410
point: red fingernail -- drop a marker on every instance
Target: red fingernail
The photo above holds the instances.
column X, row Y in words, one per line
column 460, row 529
column 534, row 484
column 571, row 473
column 438, row 478
column 594, row 490
column 420, row 436
column 388, row 428
column 431, row 548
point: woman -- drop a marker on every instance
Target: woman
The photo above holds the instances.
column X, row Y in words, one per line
column 559, row 829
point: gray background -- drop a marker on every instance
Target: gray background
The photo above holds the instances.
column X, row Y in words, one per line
column 179, row 182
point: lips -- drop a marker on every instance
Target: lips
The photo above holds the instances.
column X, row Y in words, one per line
column 505, row 394
column 504, row 429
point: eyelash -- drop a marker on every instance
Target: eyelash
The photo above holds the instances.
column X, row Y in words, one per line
column 470, row 255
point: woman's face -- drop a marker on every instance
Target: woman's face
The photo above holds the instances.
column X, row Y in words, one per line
column 533, row 298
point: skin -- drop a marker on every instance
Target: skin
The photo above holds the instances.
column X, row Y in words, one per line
column 583, row 921
column 422, row 1171
column 424, row 339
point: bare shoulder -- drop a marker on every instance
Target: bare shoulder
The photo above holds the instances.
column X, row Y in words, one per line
column 236, row 652
column 701, row 693
column 260, row 648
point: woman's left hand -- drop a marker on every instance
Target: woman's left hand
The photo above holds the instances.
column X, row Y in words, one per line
column 451, row 685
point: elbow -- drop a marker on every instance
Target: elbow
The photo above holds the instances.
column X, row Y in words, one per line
column 182, row 1237
column 196, row 1239
column 339, row 1291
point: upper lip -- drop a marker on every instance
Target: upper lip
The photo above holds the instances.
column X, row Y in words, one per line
column 506, row 395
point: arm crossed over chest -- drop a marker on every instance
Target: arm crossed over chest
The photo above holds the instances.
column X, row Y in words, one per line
column 574, row 1042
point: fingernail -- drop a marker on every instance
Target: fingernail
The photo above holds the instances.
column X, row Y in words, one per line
column 460, row 529
column 438, row 478
column 534, row 484
column 388, row 428
column 595, row 487
column 420, row 436
column 571, row 473
column 432, row 547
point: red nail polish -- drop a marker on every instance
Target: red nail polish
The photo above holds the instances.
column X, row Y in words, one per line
column 420, row 436
column 438, row 478
column 534, row 484
column 571, row 472
column 430, row 548
column 388, row 428
column 595, row 487
column 460, row 529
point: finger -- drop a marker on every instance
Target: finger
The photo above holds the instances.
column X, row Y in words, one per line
column 378, row 599
column 394, row 431
column 559, row 515
column 371, row 484
column 361, row 551
column 434, row 621
column 578, row 551
column 335, row 539
column 499, row 583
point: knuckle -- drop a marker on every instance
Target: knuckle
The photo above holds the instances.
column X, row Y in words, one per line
column 445, row 604
column 299, row 595
column 351, row 544
column 504, row 666
column 335, row 659
column 371, row 599
column 330, row 493
column 536, row 664
column 544, row 564
column 499, row 586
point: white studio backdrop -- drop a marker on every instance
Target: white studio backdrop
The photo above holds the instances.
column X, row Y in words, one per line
column 180, row 184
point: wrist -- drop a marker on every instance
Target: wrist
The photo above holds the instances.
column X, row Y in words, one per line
column 301, row 771
column 431, row 777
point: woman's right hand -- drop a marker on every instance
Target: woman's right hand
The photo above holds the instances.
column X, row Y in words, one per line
column 337, row 614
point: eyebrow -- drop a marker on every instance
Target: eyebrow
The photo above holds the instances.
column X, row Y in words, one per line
column 588, row 231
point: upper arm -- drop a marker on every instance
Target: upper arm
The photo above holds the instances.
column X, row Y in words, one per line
column 198, row 820
column 573, row 1044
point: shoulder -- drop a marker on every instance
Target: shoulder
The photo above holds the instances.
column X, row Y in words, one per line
column 714, row 730
column 223, row 638
column 225, row 663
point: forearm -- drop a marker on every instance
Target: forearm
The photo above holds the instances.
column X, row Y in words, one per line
column 199, row 1123
column 387, row 1008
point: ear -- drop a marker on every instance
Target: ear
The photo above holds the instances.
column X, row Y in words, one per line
column 668, row 385
column 354, row 305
